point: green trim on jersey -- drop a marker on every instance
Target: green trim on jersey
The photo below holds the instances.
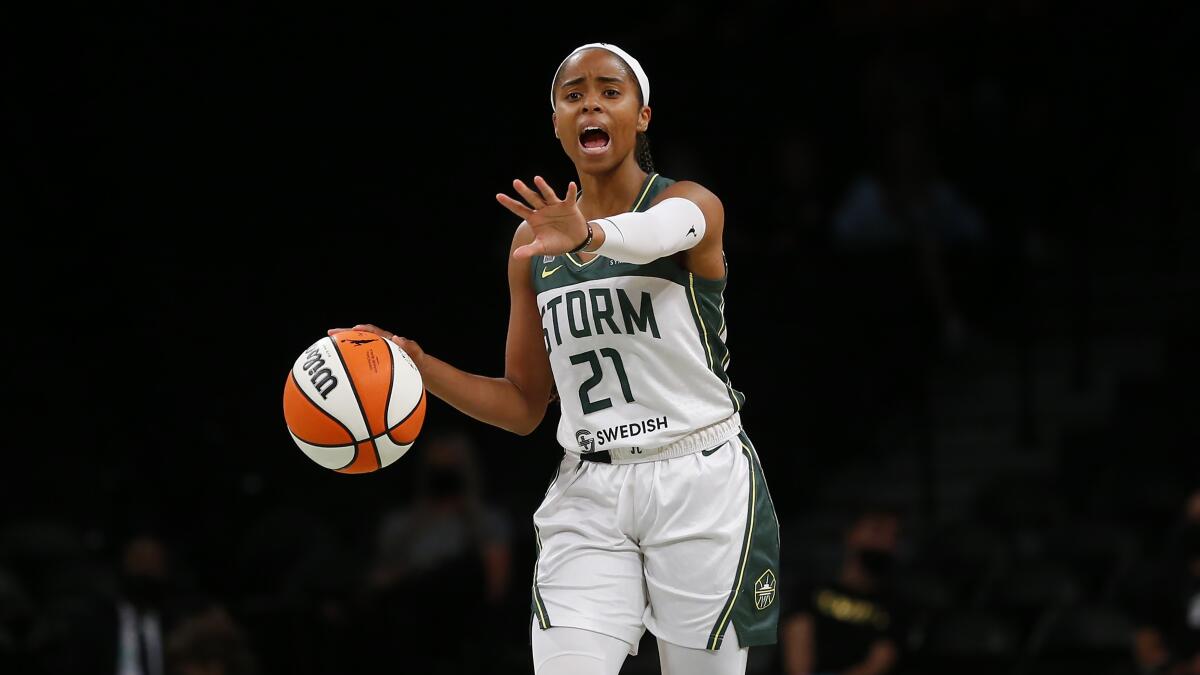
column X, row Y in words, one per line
column 707, row 300
column 550, row 272
column 753, row 605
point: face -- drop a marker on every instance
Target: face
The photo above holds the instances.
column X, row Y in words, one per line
column 598, row 110
column 877, row 532
column 446, row 479
column 145, row 557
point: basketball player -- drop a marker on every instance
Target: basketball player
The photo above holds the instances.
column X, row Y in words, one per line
column 659, row 516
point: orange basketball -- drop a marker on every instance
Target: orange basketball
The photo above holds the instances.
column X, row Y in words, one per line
column 354, row 402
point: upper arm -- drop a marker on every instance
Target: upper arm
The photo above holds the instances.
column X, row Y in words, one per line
column 797, row 642
column 525, row 362
column 706, row 259
column 882, row 656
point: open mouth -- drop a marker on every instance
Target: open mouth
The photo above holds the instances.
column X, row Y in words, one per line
column 594, row 139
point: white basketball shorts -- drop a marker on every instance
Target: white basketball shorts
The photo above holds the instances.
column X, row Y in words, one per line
column 682, row 546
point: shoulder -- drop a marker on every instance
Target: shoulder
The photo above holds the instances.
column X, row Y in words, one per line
column 709, row 204
column 702, row 196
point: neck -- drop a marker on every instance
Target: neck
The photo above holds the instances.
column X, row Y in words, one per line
column 607, row 194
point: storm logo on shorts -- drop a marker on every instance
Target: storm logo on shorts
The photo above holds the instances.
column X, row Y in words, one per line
column 584, row 438
column 764, row 590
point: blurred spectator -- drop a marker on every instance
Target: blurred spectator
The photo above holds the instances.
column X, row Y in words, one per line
column 1168, row 639
column 798, row 211
column 852, row 624
column 905, row 202
column 126, row 634
column 442, row 565
column 16, row 612
column 209, row 643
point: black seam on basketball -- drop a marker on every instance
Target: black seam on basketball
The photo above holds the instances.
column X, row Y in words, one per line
column 387, row 402
column 353, row 390
column 399, row 424
column 324, row 412
column 378, row 459
column 353, row 459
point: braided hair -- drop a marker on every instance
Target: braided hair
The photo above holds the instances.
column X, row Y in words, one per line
column 642, row 152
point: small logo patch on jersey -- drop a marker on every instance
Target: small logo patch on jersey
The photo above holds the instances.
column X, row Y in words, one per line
column 546, row 272
column 764, row 590
column 584, row 438
column 706, row 453
column 547, row 259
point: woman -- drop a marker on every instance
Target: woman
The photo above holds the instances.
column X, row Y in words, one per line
column 659, row 516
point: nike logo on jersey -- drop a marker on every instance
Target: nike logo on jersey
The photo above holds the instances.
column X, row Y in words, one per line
column 706, row 453
column 546, row 272
column 691, row 231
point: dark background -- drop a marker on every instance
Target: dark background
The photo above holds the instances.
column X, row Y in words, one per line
column 201, row 191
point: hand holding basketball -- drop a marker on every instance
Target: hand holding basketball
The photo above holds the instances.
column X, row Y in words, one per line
column 410, row 347
column 558, row 224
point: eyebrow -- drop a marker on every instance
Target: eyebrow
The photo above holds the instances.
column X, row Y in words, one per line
column 602, row 78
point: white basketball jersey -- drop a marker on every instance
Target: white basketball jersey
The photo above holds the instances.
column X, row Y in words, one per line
column 638, row 351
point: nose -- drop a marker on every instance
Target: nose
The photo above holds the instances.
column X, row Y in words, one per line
column 592, row 103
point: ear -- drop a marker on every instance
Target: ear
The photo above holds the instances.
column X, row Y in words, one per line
column 644, row 118
column 554, row 121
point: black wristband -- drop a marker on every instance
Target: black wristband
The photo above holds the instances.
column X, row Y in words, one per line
column 585, row 243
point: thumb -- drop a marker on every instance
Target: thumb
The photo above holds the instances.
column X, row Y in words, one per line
column 533, row 248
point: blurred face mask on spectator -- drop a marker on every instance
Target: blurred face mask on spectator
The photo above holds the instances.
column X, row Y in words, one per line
column 446, row 482
column 879, row 563
column 144, row 590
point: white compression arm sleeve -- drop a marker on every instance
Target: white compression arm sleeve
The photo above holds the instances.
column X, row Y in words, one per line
column 675, row 224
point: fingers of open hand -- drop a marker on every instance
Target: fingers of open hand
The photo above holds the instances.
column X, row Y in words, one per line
column 533, row 198
column 517, row 208
column 545, row 190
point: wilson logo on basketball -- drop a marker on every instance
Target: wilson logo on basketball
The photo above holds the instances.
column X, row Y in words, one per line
column 321, row 377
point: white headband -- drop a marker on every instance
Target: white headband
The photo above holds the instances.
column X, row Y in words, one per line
column 643, row 81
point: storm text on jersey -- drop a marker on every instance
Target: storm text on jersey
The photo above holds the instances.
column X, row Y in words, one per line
column 584, row 314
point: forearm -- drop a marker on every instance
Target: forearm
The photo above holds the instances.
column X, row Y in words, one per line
column 797, row 645
column 494, row 400
column 673, row 225
column 879, row 660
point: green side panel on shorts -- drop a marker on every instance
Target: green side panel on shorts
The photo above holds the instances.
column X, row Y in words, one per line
column 538, row 607
column 753, row 605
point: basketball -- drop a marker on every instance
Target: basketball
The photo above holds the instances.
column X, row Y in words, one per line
column 354, row 402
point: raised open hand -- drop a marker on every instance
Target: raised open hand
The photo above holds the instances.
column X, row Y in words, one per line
column 558, row 224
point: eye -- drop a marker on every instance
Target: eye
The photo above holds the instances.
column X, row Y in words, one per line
column 574, row 96
column 611, row 92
